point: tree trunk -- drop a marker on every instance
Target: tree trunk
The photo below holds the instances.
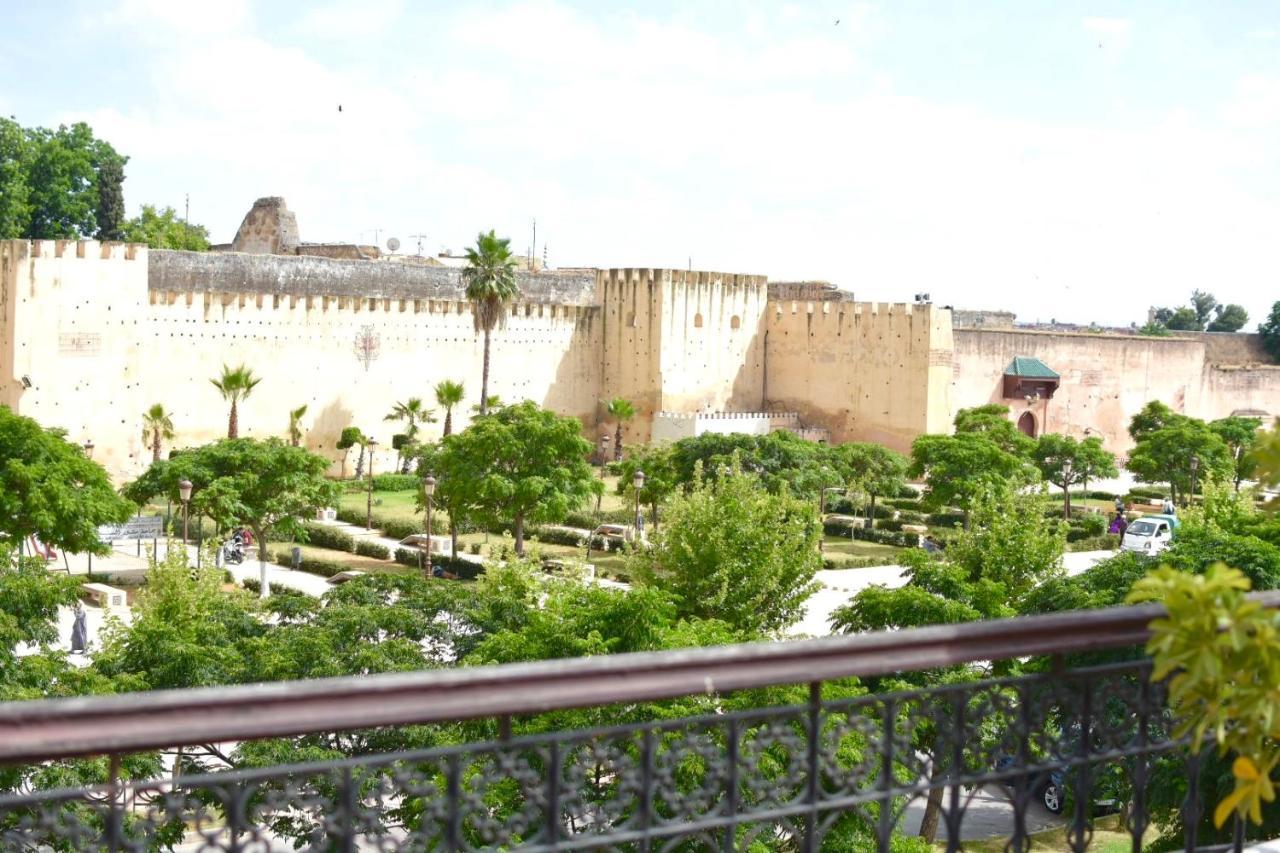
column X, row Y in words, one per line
column 453, row 535
column 932, row 814
column 617, row 442
column 262, row 565
column 360, row 463
column 653, row 511
column 155, row 449
column 871, row 513
column 484, row 377
column 1066, row 500
column 448, row 420
column 233, row 422
column 519, row 533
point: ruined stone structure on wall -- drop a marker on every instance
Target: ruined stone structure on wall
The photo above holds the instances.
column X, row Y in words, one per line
column 93, row 334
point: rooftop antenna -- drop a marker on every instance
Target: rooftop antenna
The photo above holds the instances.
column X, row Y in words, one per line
column 376, row 232
column 533, row 247
column 419, row 238
column 544, row 256
column 186, row 209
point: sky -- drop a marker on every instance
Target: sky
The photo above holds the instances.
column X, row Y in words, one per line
column 1070, row 161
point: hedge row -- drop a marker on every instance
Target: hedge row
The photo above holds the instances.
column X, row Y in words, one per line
column 310, row 565
column 844, row 506
column 1147, row 492
column 377, row 551
column 588, row 519
column 396, row 482
column 945, row 519
column 464, row 569
column 884, row 537
column 392, row 528
column 324, row 536
column 852, row 563
column 903, row 503
column 1105, row 542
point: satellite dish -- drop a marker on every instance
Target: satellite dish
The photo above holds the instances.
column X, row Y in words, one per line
column 393, row 243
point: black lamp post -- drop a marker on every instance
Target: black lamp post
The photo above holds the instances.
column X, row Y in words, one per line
column 368, row 509
column 184, row 495
column 1195, row 466
column 428, row 489
column 637, row 480
column 604, row 458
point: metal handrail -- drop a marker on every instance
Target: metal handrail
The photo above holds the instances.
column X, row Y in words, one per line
column 63, row 728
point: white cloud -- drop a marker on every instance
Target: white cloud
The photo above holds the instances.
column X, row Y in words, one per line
column 351, row 19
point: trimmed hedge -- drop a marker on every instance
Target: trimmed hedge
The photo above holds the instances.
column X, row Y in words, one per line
column 945, row 519
column 1147, row 492
column 376, row 550
column 394, row 528
column 323, row 536
column 323, row 568
column 884, row 537
column 464, row 569
column 907, row 517
column 558, row 536
column 894, row 524
column 844, row 506
column 902, row 503
column 395, row 482
column 1105, row 542
column 853, row 563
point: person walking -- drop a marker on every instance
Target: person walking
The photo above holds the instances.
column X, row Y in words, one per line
column 79, row 631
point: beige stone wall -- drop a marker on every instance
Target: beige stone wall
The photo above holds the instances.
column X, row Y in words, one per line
column 1106, row 379
column 681, row 341
column 101, row 347
column 863, row 371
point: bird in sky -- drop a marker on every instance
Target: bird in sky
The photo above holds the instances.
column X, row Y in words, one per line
column 339, row 107
column 837, row 23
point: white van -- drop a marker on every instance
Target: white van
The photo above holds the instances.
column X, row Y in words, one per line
column 1149, row 534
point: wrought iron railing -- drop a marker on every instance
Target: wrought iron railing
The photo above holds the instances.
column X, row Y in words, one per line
column 841, row 769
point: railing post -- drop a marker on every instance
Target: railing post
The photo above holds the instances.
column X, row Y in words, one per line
column 1138, row 811
column 729, row 844
column 815, row 767
column 955, row 815
column 1081, row 831
column 1191, row 804
column 884, row 823
column 553, row 794
column 453, row 800
column 115, row 816
column 349, row 811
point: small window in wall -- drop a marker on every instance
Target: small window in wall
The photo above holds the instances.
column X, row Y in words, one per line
column 735, row 322
column 631, row 319
column 697, row 321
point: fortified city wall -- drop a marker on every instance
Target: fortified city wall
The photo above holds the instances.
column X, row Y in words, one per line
column 864, row 371
column 1106, row 379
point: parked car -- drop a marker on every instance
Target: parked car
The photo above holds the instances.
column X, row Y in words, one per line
column 1149, row 534
column 1049, row 787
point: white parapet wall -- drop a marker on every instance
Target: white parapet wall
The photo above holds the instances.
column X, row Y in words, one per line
column 673, row 426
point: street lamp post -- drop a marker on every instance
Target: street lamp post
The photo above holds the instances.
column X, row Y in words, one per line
column 368, row 509
column 604, row 458
column 184, row 495
column 88, row 448
column 1195, row 466
column 428, row 489
column 637, row 480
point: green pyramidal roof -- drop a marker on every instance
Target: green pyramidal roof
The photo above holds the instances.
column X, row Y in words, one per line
column 1029, row 368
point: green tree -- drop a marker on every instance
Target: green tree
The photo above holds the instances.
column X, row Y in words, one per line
column 15, row 192
column 1230, row 318
column 1240, row 435
column 1164, row 456
column 164, row 229
column 448, row 395
column 295, row 424
column 352, row 437
column 1154, row 330
column 1203, row 304
column 621, row 410
column 1269, row 329
column 157, row 427
column 1184, row 320
column 958, row 468
column 63, row 180
column 870, row 469
column 520, row 464
column 109, row 215
column 992, row 421
column 660, row 480
column 1153, row 416
column 1066, row 462
column 733, row 551
column 267, row 486
column 490, row 277
column 49, row 489
column 29, row 600
column 235, row 384
column 413, row 412
column 781, row 459
column 454, row 494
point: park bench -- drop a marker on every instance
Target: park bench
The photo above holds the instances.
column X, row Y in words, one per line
column 104, row 596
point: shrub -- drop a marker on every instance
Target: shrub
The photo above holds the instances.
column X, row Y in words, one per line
column 903, row 503
column 890, row 524
column 365, row 548
column 907, row 517
column 844, row 506
column 395, row 528
column 351, row 515
column 1146, row 493
column 323, row 536
column 1095, row 524
column 906, row 490
column 312, row 566
column 474, row 548
column 560, row 536
column 836, row 563
column 395, row 482
column 1103, row 542
column 888, row 537
column 252, row 584
column 464, row 569
column 945, row 519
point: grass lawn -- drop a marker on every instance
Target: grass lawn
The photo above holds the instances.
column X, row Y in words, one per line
column 858, row 548
column 311, row 552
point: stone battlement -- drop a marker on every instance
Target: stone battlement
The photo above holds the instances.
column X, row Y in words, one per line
column 313, row 276
column 775, row 417
column 82, row 249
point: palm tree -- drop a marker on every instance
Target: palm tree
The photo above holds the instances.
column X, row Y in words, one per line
column 295, row 424
column 448, row 395
column 157, row 426
column 412, row 412
column 235, row 385
column 621, row 410
column 491, row 286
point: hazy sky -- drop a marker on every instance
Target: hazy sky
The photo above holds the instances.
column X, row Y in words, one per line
column 1072, row 160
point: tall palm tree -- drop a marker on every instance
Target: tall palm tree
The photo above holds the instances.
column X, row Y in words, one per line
column 448, row 395
column 235, row 385
column 490, row 276
column 621, row 410
column 295, row 424
column 157, row 426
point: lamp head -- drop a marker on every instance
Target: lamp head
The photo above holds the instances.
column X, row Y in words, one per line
column 184, row 490
column 637, row 480
column 429, row 485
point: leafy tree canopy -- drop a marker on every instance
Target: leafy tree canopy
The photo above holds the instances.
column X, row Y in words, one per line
column 732, row 551
column 1165, row 456
column 1240, row 435
column 1153, row 416
column 780, row 459
column 993, row 422
column 1066, row 462
column 164, row 229
column 958, row 468
column 49, row 488
column 1269, row 329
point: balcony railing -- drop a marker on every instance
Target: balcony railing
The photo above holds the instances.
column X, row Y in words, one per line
column 841, row 769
